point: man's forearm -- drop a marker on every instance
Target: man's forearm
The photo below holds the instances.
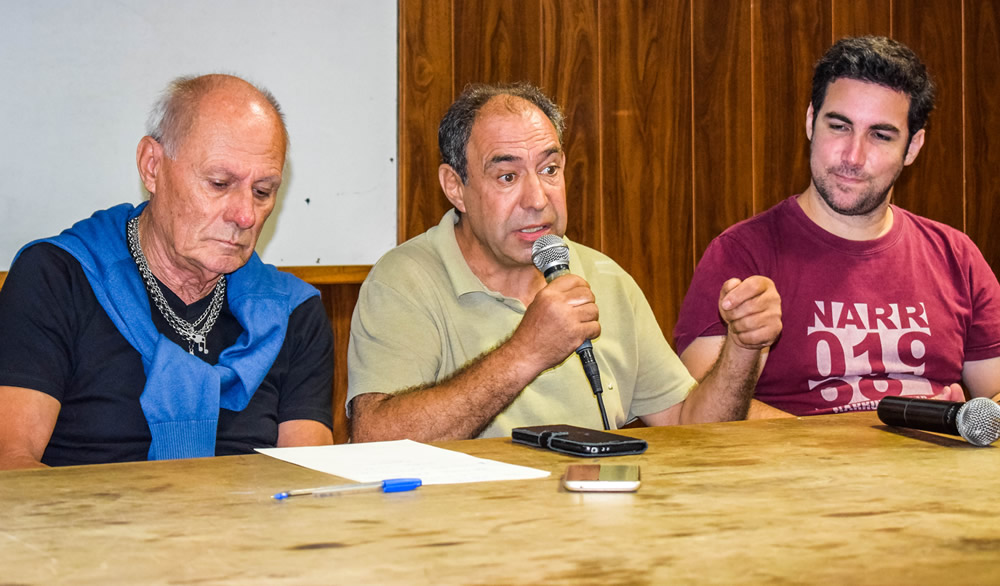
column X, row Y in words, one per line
column 459, row 407
column 726, row 391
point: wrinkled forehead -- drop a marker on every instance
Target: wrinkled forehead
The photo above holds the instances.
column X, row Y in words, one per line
column 511, row 119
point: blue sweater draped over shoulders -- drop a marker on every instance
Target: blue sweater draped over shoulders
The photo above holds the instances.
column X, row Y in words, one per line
column 183, row 394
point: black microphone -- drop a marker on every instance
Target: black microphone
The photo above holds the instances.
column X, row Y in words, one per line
column 551, row 255
column 978, row 420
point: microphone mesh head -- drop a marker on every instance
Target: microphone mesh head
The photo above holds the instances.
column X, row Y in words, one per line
column 978, row 421
column 549, row 250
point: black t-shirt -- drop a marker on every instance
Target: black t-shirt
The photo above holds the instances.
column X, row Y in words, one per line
column 56, row 338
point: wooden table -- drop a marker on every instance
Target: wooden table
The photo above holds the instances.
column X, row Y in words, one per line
column 835, row 499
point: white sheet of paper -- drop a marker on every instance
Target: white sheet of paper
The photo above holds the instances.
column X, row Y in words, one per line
column 374, row 461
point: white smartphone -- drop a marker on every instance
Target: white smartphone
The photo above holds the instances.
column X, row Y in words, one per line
column 602, row 478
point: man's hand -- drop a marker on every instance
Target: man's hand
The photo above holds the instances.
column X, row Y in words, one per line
column 952, row 392
column 752, row 310
column 561, row 316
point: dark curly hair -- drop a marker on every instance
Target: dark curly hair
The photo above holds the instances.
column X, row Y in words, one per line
column 878, row 60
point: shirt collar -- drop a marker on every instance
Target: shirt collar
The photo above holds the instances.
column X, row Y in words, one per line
column 463, row 280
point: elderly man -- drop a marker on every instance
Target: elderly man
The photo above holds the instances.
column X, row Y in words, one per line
column 456, row 334
column 156, row 331
column 877, row 301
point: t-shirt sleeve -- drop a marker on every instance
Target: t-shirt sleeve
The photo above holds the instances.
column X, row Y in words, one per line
column 305, row 391
column 38, row 318
column 983, row 340
column 724, row 259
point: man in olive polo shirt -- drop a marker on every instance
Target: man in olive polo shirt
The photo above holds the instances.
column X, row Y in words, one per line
column 457, row 335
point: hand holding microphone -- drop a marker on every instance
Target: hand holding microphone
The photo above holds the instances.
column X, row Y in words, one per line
column 551, row 256
column 560, row 317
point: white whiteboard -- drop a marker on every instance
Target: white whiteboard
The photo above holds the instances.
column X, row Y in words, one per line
column 79, row 78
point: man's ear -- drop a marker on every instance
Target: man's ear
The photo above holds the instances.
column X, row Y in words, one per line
column 916, row 143
column 148, row 157
column 809, row 122
column 452, row 186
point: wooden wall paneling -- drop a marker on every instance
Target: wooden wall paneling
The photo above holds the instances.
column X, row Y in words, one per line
column 933, row 185
column 570, row 65
column 329, row 274
column 340, row 301
column 982, row 123
column 723, row 118
column 646, row 140
column 852, row 18
column 497, row 41
column 425, row 91
column 788, row 37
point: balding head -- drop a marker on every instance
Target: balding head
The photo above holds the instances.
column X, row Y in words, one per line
column 177, row 110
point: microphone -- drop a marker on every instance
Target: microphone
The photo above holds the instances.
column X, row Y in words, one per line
column 978, row 420
column 551, row 256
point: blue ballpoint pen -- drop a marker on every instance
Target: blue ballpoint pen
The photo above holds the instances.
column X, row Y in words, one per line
column 390, row 485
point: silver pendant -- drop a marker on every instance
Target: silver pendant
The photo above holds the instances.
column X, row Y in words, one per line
column 198, row 339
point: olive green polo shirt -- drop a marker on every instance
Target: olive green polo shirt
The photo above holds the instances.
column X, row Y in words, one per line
column 422, row 314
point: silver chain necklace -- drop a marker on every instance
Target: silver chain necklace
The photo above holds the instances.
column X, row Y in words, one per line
column 188, row 331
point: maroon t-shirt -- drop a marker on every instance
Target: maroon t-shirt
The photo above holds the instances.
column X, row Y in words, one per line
column 898, row 315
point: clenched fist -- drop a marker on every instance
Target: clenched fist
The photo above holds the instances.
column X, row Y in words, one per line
column 752, row 310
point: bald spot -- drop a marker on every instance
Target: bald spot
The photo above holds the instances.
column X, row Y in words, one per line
column 225, row 99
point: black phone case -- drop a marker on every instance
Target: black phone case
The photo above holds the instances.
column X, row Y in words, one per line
column 578, row 441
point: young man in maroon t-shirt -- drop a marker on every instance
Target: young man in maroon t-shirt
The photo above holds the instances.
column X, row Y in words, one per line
column 876, row 301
